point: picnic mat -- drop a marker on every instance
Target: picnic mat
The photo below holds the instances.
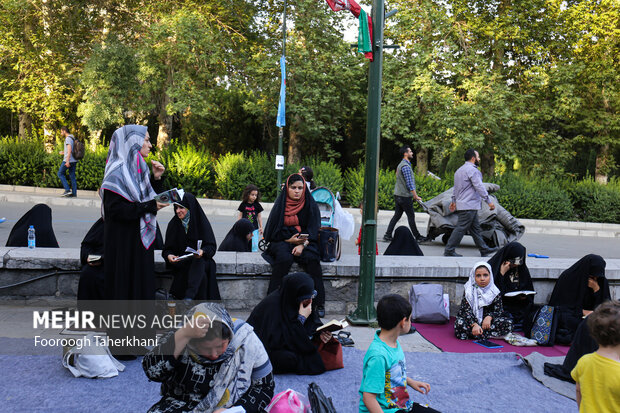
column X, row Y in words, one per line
column 442, row 336
column 536, row 362
column 39, row 383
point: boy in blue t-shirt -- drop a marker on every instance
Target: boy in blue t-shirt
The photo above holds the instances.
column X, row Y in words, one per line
column 385, row 381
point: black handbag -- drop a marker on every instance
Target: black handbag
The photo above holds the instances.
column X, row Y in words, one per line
column 328, row 244
column 319, row 403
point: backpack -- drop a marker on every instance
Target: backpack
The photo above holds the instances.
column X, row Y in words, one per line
column 78, row 149
column 329, row 244
column 427, row 304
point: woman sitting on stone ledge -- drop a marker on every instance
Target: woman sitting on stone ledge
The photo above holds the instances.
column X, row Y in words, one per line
column 292, row 232
column 194, row 277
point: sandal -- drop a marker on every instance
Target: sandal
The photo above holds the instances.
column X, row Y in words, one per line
column 344, row 337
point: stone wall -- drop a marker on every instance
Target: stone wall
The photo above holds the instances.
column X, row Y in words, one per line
column 243, row 277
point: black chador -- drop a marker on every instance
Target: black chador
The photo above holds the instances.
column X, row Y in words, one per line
column 285, row 337
column 516, row 278
column 40, row 217
column 237, row 237
column 194, row 277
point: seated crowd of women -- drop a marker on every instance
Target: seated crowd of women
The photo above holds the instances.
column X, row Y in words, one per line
column 499, row 295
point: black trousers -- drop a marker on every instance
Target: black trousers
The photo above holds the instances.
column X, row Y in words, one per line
column 195, row 279
column 468, row 221
column 403, row 204
column 283, row 260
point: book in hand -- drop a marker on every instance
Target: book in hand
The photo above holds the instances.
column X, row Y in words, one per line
column 93, row 258
column 333, row 325
column 170, row 196
column 191, row 251
column 521, row 292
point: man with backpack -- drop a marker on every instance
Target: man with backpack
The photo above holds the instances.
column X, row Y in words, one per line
column 68, row 163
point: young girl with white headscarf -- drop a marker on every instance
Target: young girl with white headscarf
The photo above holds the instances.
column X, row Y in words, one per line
column 481, row 314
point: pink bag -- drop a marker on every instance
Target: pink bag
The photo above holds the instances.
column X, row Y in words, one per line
column 289, row 401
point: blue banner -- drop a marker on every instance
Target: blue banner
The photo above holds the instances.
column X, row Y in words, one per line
column 281, row 120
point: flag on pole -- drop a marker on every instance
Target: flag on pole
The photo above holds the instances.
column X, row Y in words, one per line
column 364, row 41
column 281, row 119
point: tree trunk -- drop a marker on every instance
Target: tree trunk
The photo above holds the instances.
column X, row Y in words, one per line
column 49, row 140
column 422, row 161
column 25, row 124
column 294, row 142
column 165, row 120
column 602, row 164
column 487, row 163
column 95, row 139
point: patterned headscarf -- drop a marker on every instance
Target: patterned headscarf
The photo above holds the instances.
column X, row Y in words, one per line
column 479, row 297
column 127, row 174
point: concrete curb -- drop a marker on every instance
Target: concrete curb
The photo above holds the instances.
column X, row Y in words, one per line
column 220, row 207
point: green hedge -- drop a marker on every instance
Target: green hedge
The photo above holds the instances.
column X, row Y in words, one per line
column 25, row 162
column 426, row 187
column 593, row 202
column 538, row 199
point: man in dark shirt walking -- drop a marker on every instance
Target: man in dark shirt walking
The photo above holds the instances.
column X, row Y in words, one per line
column 467, row 195
column 404, row 191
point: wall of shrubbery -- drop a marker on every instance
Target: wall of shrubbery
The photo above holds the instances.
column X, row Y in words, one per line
column 27, row 163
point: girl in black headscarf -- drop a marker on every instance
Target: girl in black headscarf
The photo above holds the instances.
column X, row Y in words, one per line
column 403, row 243
column 284, row 321
column 239, row 236
column 579, row 290
column 40, row 217
column 194, row 277
column 295, row 213
column 511, row 274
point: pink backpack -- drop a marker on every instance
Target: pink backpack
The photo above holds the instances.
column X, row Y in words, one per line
column 289, row 401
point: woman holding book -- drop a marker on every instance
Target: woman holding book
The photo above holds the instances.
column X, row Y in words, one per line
column 514, row 281
column 286, row 324
column 189, row 229
column 130, row 226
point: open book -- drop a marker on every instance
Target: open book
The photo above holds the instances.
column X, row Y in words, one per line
column 522, row 292
column 333, row 325
column 170, row 196
column 191, row 251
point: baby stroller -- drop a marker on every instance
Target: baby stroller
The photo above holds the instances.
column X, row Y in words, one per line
column 329, row 241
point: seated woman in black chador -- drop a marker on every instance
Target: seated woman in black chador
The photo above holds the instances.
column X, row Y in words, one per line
column 92, row 277
column 284, row 322
column 239, row 237
column 210, row 364
column 511, row 274
column 582, row 344
column 194, row 277
column 295, row 213
column 40, row 217
column 579, row 290
column 403, row 243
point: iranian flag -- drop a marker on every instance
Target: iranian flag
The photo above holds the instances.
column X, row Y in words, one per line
column 364, row 40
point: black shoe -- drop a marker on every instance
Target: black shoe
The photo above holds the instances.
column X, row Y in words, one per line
column 451, row 254
column 387, row 238
column 320, row 311
column 423, row 240
column 66, row 193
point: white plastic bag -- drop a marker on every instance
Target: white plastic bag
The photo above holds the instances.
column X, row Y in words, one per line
column 92, row 359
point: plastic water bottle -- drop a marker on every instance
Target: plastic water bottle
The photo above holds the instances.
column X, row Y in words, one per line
column 32, row 242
